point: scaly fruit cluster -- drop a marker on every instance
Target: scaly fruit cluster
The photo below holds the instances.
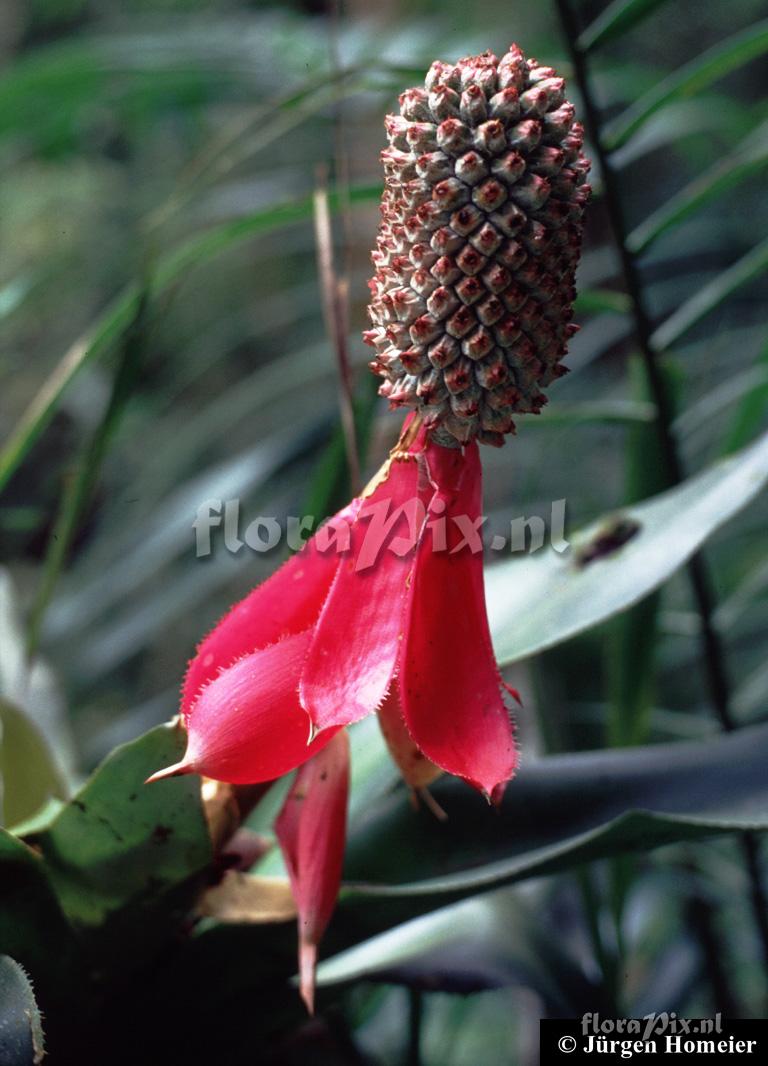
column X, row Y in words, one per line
column 485, row 188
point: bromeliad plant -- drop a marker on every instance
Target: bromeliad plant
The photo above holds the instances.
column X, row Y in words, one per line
column 384, row 609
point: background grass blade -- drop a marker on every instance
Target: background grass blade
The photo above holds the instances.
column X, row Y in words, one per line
column 497, row 939
column 36, row 417
column 169, row 269
column 748, row 158
column 617, row 19
column 711, row 296
column 631, row 638
column 752, row 412
column 78, row 491
column 715, row 63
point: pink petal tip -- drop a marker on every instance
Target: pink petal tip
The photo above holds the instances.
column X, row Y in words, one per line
column 307, row 965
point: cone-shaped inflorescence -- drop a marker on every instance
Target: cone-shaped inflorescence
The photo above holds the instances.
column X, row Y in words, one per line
column 485, row 188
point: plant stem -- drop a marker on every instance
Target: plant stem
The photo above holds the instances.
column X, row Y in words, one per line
column 336, row 283
column 711, row 644
column 415, row 1018
column 334, row 290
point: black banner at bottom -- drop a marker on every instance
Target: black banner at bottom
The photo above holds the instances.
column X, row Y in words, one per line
column 597, row 1041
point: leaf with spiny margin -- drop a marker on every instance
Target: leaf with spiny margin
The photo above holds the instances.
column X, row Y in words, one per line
column 21, row 1028
column 125, row 858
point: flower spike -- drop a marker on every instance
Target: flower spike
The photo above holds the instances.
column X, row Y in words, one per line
column 485, row 188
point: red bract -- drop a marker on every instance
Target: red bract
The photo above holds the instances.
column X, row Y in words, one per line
column 383, row 610
column 311, row 831
column 449, row 681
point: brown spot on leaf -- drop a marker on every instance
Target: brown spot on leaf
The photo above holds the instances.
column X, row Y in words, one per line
column 608, row 540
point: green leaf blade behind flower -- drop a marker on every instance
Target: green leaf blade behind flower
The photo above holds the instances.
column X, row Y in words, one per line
column 543, row 599
column 111, row 325
column 618, row 18
column 487, row 941
column 559, row 811
column 29, row 776
column 711, row 295
column 721, row 59
column 746, row 159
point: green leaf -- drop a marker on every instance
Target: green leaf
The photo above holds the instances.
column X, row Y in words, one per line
column 13, row 294
column 600, row 301
column 559, row 811
column 125, row 851
column 40, row 820
column 75, row 74
column 118, row 316
column 618, row 18
column 21, row 1029
column 749, row 157
column 30, row 689
column 606, row 412
column 29, row 776
column 470, row 946
column 545, row 598
column 690, row 79
column 683, row 122
column 752, row 413
column 31, row 920
column 711, row 296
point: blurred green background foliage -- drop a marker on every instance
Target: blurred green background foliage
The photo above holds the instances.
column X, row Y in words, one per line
column 163, row 344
